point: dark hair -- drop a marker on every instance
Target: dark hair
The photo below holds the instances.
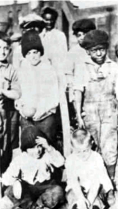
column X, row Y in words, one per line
column 28, row 137
column 49, row 10
column 81, row 135
column 5, row 37
column 83, row 25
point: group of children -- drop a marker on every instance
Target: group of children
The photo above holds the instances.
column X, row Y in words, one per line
column 34, row 178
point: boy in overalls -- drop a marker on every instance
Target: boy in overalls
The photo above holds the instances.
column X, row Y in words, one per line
column 98, row 81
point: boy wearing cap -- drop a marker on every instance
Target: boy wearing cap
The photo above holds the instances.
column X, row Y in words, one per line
column 98, row 82
column 77, row 53
column 39, row 87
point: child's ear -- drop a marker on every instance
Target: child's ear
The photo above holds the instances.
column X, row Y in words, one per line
column 88, row 52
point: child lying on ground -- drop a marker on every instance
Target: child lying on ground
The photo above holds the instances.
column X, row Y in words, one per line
column 86, row 174
column 33, row 170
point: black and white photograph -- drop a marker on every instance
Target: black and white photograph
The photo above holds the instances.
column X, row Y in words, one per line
column 58, row 104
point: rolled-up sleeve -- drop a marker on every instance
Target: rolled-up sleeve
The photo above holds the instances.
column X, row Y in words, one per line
column 79, row 78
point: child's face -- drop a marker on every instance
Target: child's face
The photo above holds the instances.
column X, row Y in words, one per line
column 98, row 54
column 80, row 37
column 4, row 50
column 35, row 152
column 33, row 56
column 82, row 150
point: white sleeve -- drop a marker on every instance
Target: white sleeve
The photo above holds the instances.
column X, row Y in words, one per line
column 11, row 173
column 54, row 157
column 80, row 76
column 103, row 176
column 73, row 180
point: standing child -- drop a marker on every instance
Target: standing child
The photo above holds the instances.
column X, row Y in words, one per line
column 34, row 168
column 9, row 91
column 97, row 79
column 39, row 87
column 86, row 175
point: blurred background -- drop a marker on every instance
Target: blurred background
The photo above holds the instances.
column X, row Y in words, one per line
column 103, row 13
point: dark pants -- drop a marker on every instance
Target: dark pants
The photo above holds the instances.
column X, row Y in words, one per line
column 48, row 191
column 47, row 126
column 9, row 138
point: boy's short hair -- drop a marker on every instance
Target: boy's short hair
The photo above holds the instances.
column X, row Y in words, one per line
column 31, row 40
column 82, row 136
column 49, row 10
column 53, row 196
column 5, row 37
column 94, row 38
column 28, row 137
column 84, row 25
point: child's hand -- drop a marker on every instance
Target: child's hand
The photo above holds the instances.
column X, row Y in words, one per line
column 43, row 142
column 111, row 198
column 37, row 115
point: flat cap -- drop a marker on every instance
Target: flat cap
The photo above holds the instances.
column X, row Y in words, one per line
column 94, row 38
column 83, row 25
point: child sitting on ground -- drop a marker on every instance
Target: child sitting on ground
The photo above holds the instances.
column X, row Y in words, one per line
column 32, row 171
column 86, row 174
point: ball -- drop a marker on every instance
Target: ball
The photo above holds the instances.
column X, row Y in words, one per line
column 17, row 189
column 28, row 112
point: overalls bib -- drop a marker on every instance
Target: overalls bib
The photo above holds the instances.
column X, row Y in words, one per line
column 100, row 113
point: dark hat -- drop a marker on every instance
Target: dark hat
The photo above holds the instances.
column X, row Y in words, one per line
column 94, row 38
column 32, row 21
column 31, row 40
column 49, row 10
column 84, row 25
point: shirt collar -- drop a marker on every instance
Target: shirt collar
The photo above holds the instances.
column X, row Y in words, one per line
column 4, row 64
column 100, row 71
column 90, row 61
column 44, row 32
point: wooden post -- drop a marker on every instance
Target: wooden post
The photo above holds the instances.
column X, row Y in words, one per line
column 64, row 111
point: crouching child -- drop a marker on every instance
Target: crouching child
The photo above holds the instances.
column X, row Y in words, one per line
column 31, row 176
column 88, row 184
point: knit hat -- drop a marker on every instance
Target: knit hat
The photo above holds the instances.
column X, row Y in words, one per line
column 94, row 38
column 31, row 40
column 84, row 25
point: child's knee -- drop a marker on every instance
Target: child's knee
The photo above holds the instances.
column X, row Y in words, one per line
column 6, row 203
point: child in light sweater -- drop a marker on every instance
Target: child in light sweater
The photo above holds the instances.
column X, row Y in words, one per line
column 86, row 175
column 33, row 171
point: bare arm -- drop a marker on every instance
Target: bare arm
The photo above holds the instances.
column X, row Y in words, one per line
column 78, row 102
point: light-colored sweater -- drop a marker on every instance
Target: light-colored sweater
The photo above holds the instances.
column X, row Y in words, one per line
column 39, row 87
column 32, row 170
column 86, row 173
